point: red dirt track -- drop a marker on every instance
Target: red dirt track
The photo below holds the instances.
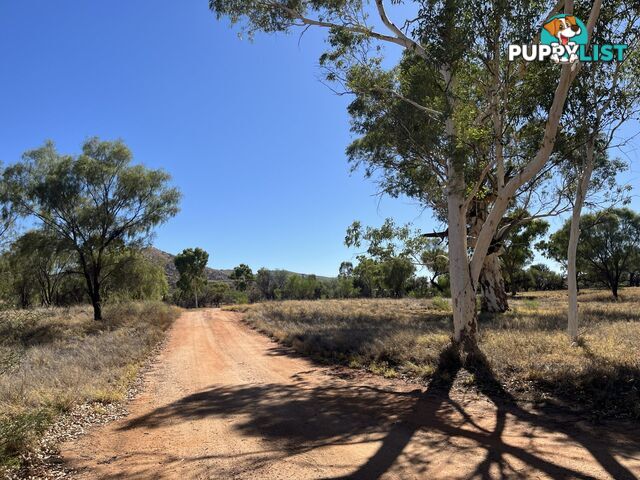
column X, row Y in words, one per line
column 224, row 402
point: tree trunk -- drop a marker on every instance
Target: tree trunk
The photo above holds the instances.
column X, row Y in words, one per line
column 195, row 293
column 574, row 236
column 463, row 298
column 96, row 301
column 463, row 295
column 494, row 295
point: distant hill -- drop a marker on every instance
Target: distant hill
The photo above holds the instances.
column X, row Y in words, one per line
column 166, row 260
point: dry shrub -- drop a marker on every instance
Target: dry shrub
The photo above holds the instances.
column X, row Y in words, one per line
column 51, row 359
column 527, row 347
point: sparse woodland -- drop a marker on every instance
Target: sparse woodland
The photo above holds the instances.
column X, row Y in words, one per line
column 491, row 150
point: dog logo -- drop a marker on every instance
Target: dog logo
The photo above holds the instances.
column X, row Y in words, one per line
column 565, row 34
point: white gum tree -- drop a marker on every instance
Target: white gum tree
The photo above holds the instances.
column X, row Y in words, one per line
column 455, row 77
column 606, row 96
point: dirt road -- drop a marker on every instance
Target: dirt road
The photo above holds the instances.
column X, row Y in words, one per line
column 222, row 402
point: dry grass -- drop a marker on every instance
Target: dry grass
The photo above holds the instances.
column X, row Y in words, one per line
column 527, row 348
column 53, row 359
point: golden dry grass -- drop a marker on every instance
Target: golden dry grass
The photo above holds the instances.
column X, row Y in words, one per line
column 52, row 359
column 527, row 348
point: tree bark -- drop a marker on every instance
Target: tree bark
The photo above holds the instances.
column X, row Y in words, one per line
column 494, row 295
column 96, row 302
column 463, row 298
column 574, row 236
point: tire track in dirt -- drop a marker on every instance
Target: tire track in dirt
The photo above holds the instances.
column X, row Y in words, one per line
column 222, row 401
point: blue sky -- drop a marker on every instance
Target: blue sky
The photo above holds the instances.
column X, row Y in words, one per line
column 251, row 136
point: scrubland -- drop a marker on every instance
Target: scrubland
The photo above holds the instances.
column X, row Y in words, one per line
column 526, row 348
column 53, row 359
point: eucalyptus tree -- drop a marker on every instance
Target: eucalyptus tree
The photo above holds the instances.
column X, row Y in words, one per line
column 390, row 241
column 96, row 203
column 609, row 245
column 606, row 96
column 457, row 81
column 191, row 264
column 518, row 250
column 242, row 277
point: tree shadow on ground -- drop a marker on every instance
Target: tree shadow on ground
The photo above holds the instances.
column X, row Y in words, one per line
column 300, row 416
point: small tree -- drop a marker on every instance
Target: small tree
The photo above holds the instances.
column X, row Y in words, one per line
column 191, row 265
column 264, row 283
column 216, row 292
column 397, row 271
column 367, row 277
column 518, row 250
column 48, row 259
column 390, row 241
column 609, row 242
column 242, row 277
column 96, row 202
column 136, row 277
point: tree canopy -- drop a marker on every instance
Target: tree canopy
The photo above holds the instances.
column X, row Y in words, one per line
column 96, row 203
column 191, row 264
column 609, row 246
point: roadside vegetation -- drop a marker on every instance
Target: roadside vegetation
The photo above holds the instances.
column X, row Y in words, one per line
column 80, row 302
column 53, row 359
column 525, row 347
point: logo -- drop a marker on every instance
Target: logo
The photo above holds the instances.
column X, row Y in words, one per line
column 564, row 39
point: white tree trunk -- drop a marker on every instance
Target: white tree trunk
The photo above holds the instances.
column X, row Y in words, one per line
column 574, row 236
column 463, row 298
column 494, row 295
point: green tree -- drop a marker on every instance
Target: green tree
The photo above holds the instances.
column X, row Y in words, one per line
column 191, row 265
column 303, row 287
column 396, row 273
column 95, row 202
column 18, row 278
column 609, row 243
column 265, row 284
column 242, row 277
column 45, row 260
column 450, row 94
column 215, row 293
column 136, row 277
column 367, row 277
column 541, row 277
column 517, row 250
column 389, row 241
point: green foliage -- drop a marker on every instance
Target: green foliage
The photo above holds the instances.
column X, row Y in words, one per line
column 390, row 242
column 303, row 287
column 344, row 287
column 367, row 277
column 541, row 277
column 19, row 433
column 191, row 264
column 96, row 202
column 242, row 277
column 216, row 293
column 269, row 284
column 608, row 247
column 517, row 250
column 396, row 273
column 136, row 277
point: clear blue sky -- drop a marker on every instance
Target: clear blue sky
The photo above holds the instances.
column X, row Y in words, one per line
column 252, row 138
